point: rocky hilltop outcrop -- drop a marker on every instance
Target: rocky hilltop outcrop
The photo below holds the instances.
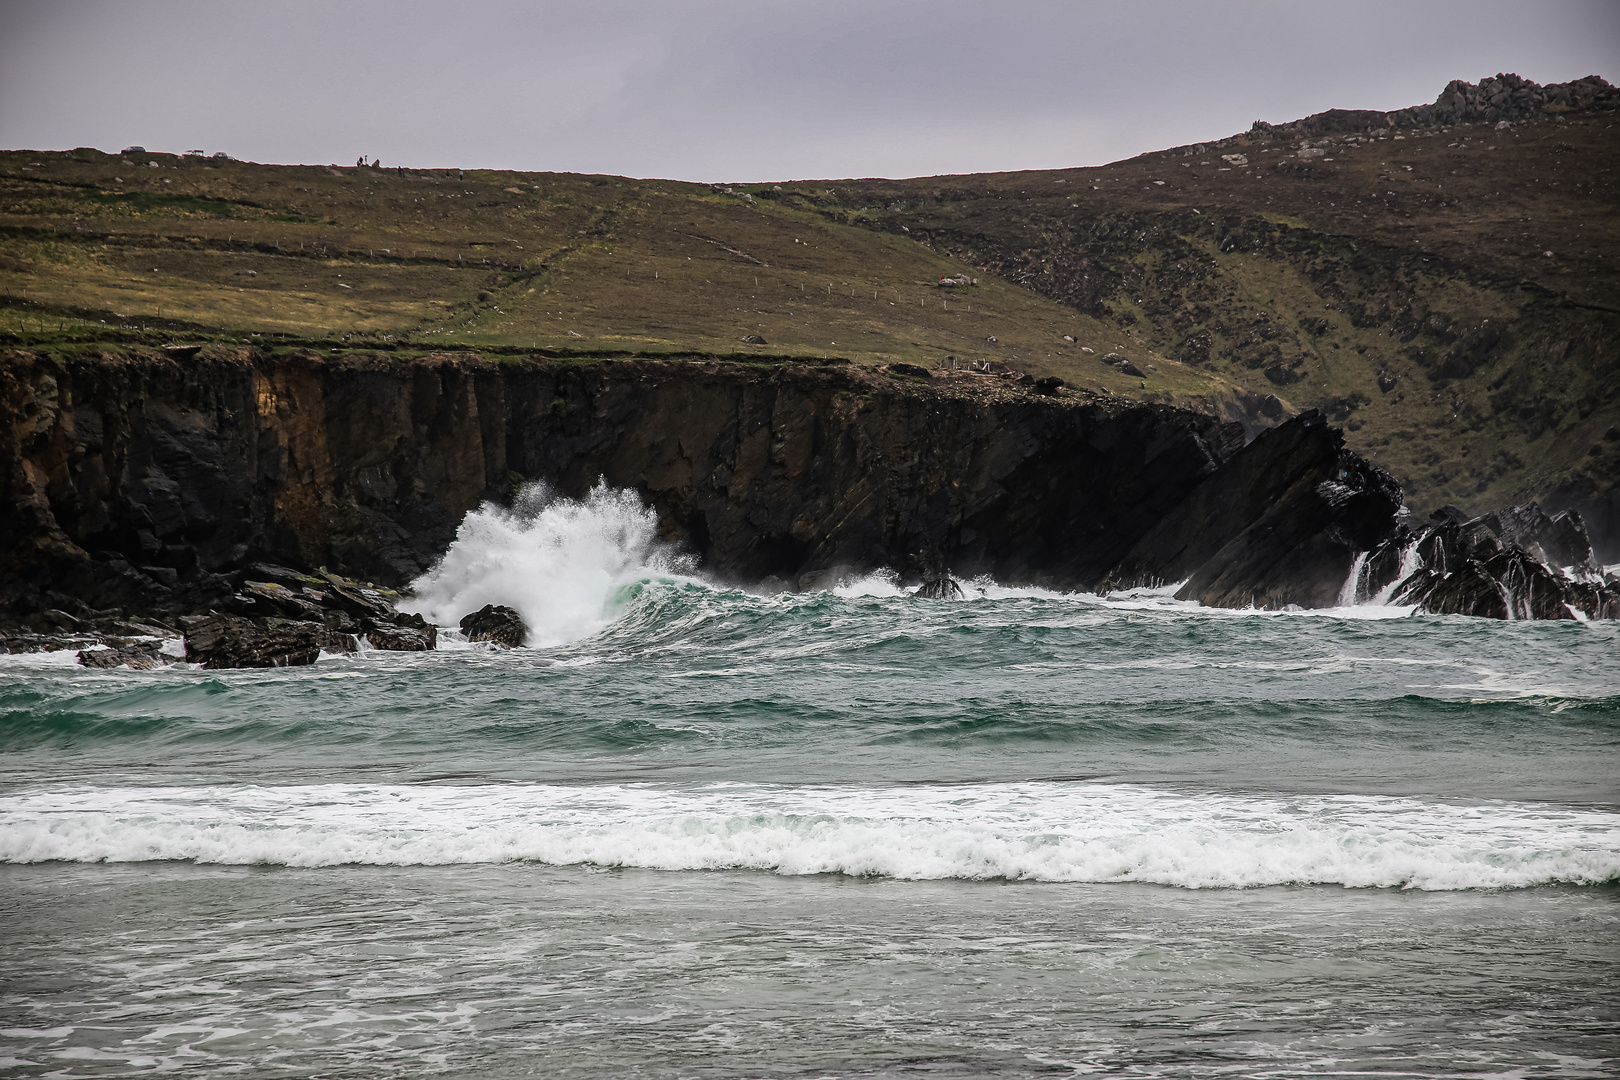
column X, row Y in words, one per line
column 140, row 485
column 1505, row 97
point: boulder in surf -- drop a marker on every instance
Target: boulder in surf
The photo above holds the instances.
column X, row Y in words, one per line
column 402, row 638
column 941, row 587
column 141, row 656
column 230, row 641
column 495, row 623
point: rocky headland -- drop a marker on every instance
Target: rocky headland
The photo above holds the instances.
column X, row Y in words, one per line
column 232, row 417
column 264, row 505
column 1437, row 280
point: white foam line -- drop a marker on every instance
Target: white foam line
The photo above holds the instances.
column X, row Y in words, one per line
column 1041, row 831
column 571, row 567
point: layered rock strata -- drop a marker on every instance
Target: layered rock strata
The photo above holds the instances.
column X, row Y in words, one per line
column 141, row 482
column 1277, row 526
column 1506, row 97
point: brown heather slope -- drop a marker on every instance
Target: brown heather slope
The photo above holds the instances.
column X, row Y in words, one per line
column 1475, row 266
column 1339, row 248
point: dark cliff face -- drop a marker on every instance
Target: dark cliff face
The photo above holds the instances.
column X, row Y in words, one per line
column 132, row 478
column 1278, row 525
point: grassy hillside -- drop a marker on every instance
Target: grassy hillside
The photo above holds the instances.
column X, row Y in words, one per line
column 441, row 260
column 1396, row 276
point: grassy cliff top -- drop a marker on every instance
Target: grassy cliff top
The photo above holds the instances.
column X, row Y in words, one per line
column 440, row 259
column 1444, row 289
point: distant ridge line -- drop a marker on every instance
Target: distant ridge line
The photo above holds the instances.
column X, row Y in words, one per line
column 1504, row 97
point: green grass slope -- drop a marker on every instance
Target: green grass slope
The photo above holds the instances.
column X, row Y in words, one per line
column 447, row 260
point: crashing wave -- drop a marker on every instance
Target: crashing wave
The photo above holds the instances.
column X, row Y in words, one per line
column 558, row 561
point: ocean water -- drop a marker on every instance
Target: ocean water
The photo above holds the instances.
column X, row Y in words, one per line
column 700, row 832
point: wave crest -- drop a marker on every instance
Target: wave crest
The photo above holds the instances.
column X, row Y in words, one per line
column 1039, row 831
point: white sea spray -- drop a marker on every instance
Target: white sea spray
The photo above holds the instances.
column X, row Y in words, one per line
column 558, row 561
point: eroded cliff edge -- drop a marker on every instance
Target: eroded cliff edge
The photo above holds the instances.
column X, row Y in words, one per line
column 139, row 480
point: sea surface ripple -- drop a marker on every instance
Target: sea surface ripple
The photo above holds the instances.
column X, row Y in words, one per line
column 703, row 831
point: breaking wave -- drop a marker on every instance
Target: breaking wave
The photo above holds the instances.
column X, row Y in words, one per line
column 560, row 562
column 1038, row 831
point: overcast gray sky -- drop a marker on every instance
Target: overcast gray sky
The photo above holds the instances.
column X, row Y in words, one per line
column 744, row 91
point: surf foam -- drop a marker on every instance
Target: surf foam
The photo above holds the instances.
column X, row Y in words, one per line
column 558, row 561
column 564, row 564
column 1040, row 831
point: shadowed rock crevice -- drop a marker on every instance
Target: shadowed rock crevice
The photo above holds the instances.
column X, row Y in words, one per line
column 1280, row 524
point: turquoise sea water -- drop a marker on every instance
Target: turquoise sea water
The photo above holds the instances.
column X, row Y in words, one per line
column 705, row 833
